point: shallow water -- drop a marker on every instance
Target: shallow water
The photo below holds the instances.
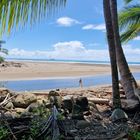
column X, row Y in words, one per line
column 58, row 83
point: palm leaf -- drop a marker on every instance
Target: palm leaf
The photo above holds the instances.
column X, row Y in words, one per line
column 17, row 13
column 127, row 1
column 129, row 21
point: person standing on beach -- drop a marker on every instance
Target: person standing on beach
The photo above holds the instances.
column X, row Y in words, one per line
column 80, row 83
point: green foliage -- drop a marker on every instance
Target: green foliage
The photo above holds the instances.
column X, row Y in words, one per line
column 135, row 134
column 129, row 21
column 1, row 59
column 41, row 111
column 19, row 12
column 3, row 133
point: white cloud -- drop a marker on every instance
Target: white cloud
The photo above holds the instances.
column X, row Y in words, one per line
column 137, row 38
column 74, row 50
column 94, row 27
column 67, row 21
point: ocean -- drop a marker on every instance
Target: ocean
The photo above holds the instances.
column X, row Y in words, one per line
column 68, row 61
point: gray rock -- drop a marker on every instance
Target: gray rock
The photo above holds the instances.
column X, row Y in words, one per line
column 32, row 106
column 24, row 100
column 20, row 110
column 118, row 114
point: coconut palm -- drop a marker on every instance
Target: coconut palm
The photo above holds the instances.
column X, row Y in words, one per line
column 129, row 21
column 126, row 76
column 112, row 52
column 19, row 12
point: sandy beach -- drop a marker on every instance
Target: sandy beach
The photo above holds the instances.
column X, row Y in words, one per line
column 46, row 70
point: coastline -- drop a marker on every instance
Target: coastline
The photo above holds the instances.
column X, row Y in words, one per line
column 55, row 70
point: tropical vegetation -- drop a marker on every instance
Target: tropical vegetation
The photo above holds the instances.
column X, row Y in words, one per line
column 129, row 20
column 2, row 50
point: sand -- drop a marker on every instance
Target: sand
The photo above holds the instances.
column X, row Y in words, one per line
column 48, row 70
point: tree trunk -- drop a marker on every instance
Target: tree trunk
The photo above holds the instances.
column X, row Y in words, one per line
column 112, row 52
column 126, row 76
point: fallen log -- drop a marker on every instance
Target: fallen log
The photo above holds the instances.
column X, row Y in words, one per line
column 99, row 100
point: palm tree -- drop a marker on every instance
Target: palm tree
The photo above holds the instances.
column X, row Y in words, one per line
column 19, row 12
column 129, row 21
column 112, row 52
column 126, row 76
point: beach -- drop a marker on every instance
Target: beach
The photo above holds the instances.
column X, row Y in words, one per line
column 26, row 70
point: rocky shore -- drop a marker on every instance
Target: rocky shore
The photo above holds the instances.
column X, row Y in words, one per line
column 82, row 113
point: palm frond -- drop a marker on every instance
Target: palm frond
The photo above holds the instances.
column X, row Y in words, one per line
column 129, row 18
column 130, row 33
column 15, row 13
column 127, row 1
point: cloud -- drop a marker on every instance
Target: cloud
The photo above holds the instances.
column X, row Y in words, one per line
column 137, row 38
column 67, row 21
column 94, row 27
column 74, row 50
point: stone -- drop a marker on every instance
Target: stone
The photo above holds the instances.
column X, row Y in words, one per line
column 55, row 98
column 83, row 103
column 67, row 105
column 20, row 110
column 9, row 105
column 23, row 100
column 32, row 106
column 118, row 115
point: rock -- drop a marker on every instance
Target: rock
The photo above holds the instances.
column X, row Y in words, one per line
column 20, row 110
column 32, row 106
column 24, row 100
column 67, row 105
column 9, row 105
column 55, row 98
column 82, row 124
column 53, row 93
column 77, row 112
column 83, row 103
column 118, row 114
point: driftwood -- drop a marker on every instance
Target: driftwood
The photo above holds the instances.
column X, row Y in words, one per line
column 99, row 100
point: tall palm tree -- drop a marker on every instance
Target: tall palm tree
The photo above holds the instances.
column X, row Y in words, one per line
column 129, row 21
column 126, row 75
column 112, row 52
column 19, row 12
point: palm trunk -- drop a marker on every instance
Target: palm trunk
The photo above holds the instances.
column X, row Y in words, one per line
column 126, row 76
column 112, row 52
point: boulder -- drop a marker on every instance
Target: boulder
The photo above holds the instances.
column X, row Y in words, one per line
column 20, row 110
column 118, row 115
column 24, row 100
column 83, row 103
column 32, row 106
column 67, row 105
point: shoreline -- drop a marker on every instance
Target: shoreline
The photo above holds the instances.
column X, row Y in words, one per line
column 54, row 70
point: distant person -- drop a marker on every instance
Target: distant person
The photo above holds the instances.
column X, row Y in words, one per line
column 80, row 83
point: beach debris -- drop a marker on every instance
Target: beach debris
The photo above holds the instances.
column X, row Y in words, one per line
column 118, row 115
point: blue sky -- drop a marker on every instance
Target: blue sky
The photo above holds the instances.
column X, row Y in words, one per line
column 77, row 31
